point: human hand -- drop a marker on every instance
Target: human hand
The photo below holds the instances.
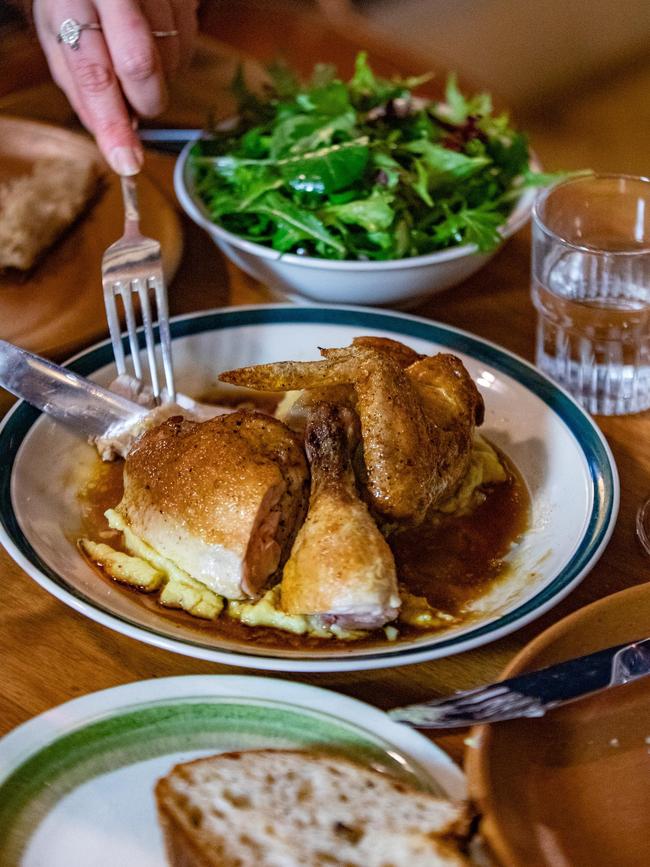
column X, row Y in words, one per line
column 119, row 68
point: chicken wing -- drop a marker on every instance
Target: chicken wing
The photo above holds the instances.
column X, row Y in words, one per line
column 343, row 395
column 397, row 452
column 417, row 414
column 341, row 568
column 222, row 499
column 399, row 352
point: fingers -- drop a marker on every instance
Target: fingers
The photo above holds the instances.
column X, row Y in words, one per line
column 142, row 60
column 134, row 54
column 56, row 61
column 88, row 77
column 64, row 80
column 120, row 66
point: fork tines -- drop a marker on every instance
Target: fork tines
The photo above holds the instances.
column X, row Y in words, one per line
column 143, row 287
column 485, row 704
column 133, row 265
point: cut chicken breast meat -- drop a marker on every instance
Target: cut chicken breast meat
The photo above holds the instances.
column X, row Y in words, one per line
column 341, row 568
column 222, row 499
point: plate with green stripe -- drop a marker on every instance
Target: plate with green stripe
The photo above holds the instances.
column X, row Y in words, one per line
column 77, row 782
column 562, row 457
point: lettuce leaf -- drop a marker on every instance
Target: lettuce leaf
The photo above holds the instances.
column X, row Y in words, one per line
column 363, row 169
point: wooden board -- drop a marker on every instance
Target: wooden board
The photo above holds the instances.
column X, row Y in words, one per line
column 58, row 306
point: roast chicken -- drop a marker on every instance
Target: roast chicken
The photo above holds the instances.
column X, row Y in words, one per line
column 417, row 415
column 341, row 568
column 222, row 499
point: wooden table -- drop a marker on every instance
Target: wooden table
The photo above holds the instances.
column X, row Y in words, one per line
column 50, row 654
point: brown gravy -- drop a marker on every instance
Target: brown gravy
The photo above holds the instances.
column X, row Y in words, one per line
column 455, row 559
column 450, row 562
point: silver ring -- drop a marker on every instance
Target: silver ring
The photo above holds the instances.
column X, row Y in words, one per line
column 70, row 32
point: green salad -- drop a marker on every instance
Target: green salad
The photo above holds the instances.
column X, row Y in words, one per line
column 363, row 169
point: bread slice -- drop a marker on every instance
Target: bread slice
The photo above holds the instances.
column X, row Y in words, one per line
column 36, row 208
column 275, row 808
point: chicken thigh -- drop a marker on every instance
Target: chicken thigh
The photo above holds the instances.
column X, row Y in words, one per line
column 221, row 499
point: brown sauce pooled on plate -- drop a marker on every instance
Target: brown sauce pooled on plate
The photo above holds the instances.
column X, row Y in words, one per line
column 450, row 561
column 453, row 560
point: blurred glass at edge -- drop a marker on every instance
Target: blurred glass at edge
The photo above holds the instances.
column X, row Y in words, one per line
column 591, row 289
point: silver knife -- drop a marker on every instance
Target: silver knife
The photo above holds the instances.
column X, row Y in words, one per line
column 64, row 395
column 533, row 694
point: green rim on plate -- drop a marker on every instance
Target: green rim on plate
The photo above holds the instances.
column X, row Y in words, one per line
column 136, row 734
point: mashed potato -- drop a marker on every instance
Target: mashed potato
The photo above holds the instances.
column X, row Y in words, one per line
column 416, row 611
column 485, row 468
column 179, row 590
column 267, row 612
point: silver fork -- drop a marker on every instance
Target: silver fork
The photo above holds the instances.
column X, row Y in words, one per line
column 130, row 266
column 481, row 705
column 534, row 693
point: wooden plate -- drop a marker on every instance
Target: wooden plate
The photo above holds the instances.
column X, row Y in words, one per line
column 58, row 306
column 572, row 788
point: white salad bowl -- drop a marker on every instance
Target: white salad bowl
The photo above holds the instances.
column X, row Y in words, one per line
column 401, row 283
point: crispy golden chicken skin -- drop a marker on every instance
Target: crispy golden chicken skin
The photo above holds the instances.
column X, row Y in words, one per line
column 417, row 415
column 396, row 448
column 343, row 395
column 453, row 407
column 341, row 568
column 399, row 352
column 222, row 499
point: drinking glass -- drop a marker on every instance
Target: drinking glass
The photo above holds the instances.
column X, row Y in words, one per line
column 591, row 289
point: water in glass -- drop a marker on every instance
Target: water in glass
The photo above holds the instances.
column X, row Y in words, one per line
column 591, row 289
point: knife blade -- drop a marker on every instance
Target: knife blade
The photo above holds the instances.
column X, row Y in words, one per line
column 169, row 140
column 535, row 693
column 64, row 395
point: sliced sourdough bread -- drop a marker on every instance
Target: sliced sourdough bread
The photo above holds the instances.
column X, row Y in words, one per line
column 274, row 808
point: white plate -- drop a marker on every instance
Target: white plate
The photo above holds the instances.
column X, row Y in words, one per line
column 560, row 452
column 76, row 783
